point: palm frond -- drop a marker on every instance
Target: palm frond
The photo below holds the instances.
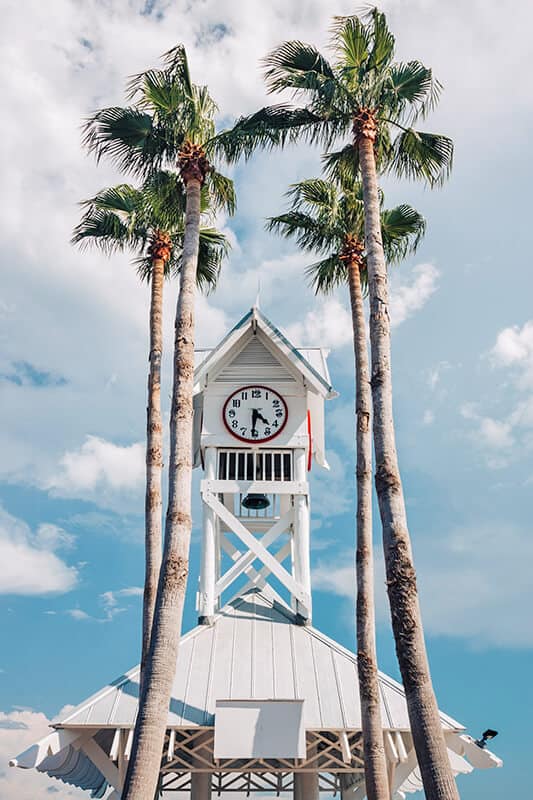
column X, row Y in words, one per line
column 276, row 126
column 122, row 199
column 213, row 247
column 298, row 66
column 418, row 155
column 177, row 65
column 105, row 230
column 128, row 137
column 309, row 233
column 351, row 41
column 314, row 195
column 383, row 41
column 402, row 230
column 413, row 84
column 326, row 275
column 221, row 192
column 342, row 165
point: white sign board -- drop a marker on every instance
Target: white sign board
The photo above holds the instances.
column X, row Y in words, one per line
column 259, row 729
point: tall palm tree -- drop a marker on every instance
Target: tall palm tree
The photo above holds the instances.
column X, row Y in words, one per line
column 329, row 220
column 373, row 103
column 170, row 123
column 149, row 221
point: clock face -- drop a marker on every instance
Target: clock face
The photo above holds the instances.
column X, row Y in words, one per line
column 255, row 413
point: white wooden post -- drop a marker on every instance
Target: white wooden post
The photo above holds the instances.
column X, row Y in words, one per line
column 302, row 566
column 208, row 567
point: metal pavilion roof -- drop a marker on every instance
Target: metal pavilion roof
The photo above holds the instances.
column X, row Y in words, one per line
column 254, row 650
column 275, row 659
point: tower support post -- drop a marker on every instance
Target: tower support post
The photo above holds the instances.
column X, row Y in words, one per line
column 306, row 786
column 201, row 785
column 208, row 567
column 301, row 547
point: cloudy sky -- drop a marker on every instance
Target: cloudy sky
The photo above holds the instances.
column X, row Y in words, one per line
column 73, row 356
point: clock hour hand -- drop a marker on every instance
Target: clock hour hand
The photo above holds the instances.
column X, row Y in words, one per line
column 255, row 414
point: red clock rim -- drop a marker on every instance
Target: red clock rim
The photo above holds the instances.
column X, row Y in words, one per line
column 254, row 386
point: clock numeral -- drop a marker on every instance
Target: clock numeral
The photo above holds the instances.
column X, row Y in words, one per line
column 244, row 395
column 231, row 413
column 279, row 413
column 235, row 424
column 255, row 434
column 267, row 432
column 236, row 403
column 275, row 424
column 256, row 393
column 243, row 431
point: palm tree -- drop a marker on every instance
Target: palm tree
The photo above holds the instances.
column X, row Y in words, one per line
column 149, row 221
column 329, row 221
column 373, row 102
column 170, row 123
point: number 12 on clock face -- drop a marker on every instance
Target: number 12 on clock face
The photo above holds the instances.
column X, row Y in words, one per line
column 255, row 413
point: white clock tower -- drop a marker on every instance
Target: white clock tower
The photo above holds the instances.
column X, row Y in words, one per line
column 261, row 701
column 259, row 409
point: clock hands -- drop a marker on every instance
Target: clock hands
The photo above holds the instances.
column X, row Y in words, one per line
column 256, row 415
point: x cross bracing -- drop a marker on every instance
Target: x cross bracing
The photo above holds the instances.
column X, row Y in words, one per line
column 256, row 548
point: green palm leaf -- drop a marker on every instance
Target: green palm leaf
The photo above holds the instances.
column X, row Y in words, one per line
column 417, row 154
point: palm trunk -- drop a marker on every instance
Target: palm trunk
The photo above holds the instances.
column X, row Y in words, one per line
column 154, row 459
column 437, row 776
column 143, row 771
column 376, row 780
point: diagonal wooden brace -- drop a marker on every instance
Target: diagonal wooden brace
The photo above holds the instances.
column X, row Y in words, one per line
column 257, row 548
column 248, row 558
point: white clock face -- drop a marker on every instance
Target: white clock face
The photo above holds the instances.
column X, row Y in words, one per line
column 255, row 413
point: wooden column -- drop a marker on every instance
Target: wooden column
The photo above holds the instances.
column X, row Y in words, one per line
column 208, row 566
column 301, row 550
column 306, row 786
column 201, row 785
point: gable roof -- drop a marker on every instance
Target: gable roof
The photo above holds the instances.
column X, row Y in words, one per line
column 311, row 362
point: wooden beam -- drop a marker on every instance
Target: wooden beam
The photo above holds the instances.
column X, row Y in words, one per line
column 101, row 760
column 254, row 546
column 248, row 558
column 254, row 487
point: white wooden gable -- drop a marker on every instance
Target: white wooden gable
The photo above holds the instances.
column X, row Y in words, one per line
column 256, row 351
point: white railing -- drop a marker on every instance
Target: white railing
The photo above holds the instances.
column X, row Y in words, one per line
column 255, row 465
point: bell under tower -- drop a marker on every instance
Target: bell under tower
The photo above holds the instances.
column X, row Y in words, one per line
column 259, row 427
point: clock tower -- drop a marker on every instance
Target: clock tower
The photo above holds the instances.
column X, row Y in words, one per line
column 259, row 427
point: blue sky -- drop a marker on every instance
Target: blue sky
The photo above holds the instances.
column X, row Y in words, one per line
column 73, row 358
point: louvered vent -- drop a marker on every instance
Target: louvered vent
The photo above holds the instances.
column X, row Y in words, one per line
column 254, row 364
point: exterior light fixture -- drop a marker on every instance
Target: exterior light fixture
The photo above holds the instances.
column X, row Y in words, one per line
column 485, row 737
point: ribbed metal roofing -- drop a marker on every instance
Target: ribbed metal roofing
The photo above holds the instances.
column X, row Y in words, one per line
column 254, row 651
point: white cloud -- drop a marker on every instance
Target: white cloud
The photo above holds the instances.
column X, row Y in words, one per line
column 109, row 602
column 108, row 474
column 29, row 564
column 19, row 730
column 429, row 417
column 330, row 325
column 474, row 583
column 514, row 348
column 408, row 298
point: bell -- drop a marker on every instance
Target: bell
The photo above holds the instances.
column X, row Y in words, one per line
column 256, row 502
